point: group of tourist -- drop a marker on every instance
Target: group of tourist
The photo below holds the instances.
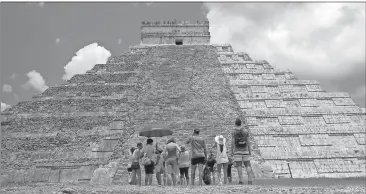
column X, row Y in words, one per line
column 173, row 162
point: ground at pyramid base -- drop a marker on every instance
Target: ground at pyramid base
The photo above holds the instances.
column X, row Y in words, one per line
column 81, row 131
column 272, row 186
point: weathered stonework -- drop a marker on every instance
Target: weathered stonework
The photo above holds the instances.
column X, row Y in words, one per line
column 81, row 130
column 169, row 32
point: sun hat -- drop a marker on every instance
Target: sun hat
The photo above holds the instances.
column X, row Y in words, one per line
column 221, row 140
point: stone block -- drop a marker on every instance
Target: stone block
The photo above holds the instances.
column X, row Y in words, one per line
column 69, row 175
column 86, row 172
column 4, row 180
column 29, row 175
column 101, row 177
column 19, row 176
column 41, row 174
column 54, row 176
column 262, row 171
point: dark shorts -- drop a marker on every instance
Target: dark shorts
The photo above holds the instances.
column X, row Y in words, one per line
column 135, row 166
column 200, row 160
column 184, row 172
column 129, row 169
column 149, row 169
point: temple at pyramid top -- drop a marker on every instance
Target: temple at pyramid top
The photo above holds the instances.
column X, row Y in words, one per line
column 175, row 32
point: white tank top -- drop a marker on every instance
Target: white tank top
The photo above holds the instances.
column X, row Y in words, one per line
column 221, row 157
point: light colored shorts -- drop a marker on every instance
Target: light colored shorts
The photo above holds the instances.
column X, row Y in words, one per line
column 241, row 157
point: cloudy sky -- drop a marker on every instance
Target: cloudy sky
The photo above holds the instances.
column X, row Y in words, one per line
column 43, row 44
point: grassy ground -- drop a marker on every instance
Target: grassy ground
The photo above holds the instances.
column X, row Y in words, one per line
column 302, row 186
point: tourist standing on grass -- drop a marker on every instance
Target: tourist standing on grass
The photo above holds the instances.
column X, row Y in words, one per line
column 240, row 148
column 199, row 155
column 148, row 154
column 135, row 165
column 183, row 162
column 221, row 157
column 159, row 166
column 171, row 160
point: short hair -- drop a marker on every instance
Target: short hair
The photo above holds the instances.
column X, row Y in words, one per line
column 149, row 141
column 238, row 122
column 139, row 144
column 132, row 149
column 196, row 131
column 171, row 140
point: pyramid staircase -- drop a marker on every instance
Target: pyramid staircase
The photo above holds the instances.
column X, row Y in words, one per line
column 91, row 120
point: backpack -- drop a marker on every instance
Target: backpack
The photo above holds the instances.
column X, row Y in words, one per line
column 240, row 139
column 206, row 176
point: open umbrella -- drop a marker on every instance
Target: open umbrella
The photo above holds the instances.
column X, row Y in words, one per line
column 156, row 130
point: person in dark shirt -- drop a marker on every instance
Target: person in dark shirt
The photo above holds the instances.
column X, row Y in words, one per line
column 211, row 161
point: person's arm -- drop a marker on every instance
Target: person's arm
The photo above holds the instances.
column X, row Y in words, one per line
column 232, row 143
column 214, row 145
column 189, row 140
column 204, row 148
column 249, row 146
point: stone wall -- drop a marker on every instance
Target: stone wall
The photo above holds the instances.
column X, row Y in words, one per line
column 168, row 32
column 300, row 129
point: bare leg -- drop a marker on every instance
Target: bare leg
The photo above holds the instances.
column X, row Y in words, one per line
column 213, row 176
column 174, row 178
column 225, row 173
column 150, row 179
column 200, row 174
column 138, row 171
column 193, row 173
column 158, row 177
column 133, row 177
column 250, row 173
column 240, row 171
column 146, row 178
column 219, row 173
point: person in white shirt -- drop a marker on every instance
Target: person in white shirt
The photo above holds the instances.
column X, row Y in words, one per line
column 183, row 163
column 221, row 157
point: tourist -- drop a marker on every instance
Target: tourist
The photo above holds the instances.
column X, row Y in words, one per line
column 135, row 165
column 240, row 149
column 148, row 154
column 159, row 166
column 199, row 154
column 211, row 161
column 183, row 163
column 171, row 160
column 221, row 157
column 129, row 169
column 229, row 166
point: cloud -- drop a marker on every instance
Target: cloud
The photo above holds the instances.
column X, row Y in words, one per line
column 57, row 40
column 85, row 60
column 4, row 106
column 13, row 76
column 35, row 81
column 40, row 4
column 148, row 4
column 119, row 41
column 7, row 88
column 16, row 97
column 321, row 41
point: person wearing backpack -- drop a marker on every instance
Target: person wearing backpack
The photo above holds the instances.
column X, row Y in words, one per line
column 148, row 162
column 240, row 150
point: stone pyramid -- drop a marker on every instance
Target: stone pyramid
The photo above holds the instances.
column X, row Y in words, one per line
column 80, row 131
